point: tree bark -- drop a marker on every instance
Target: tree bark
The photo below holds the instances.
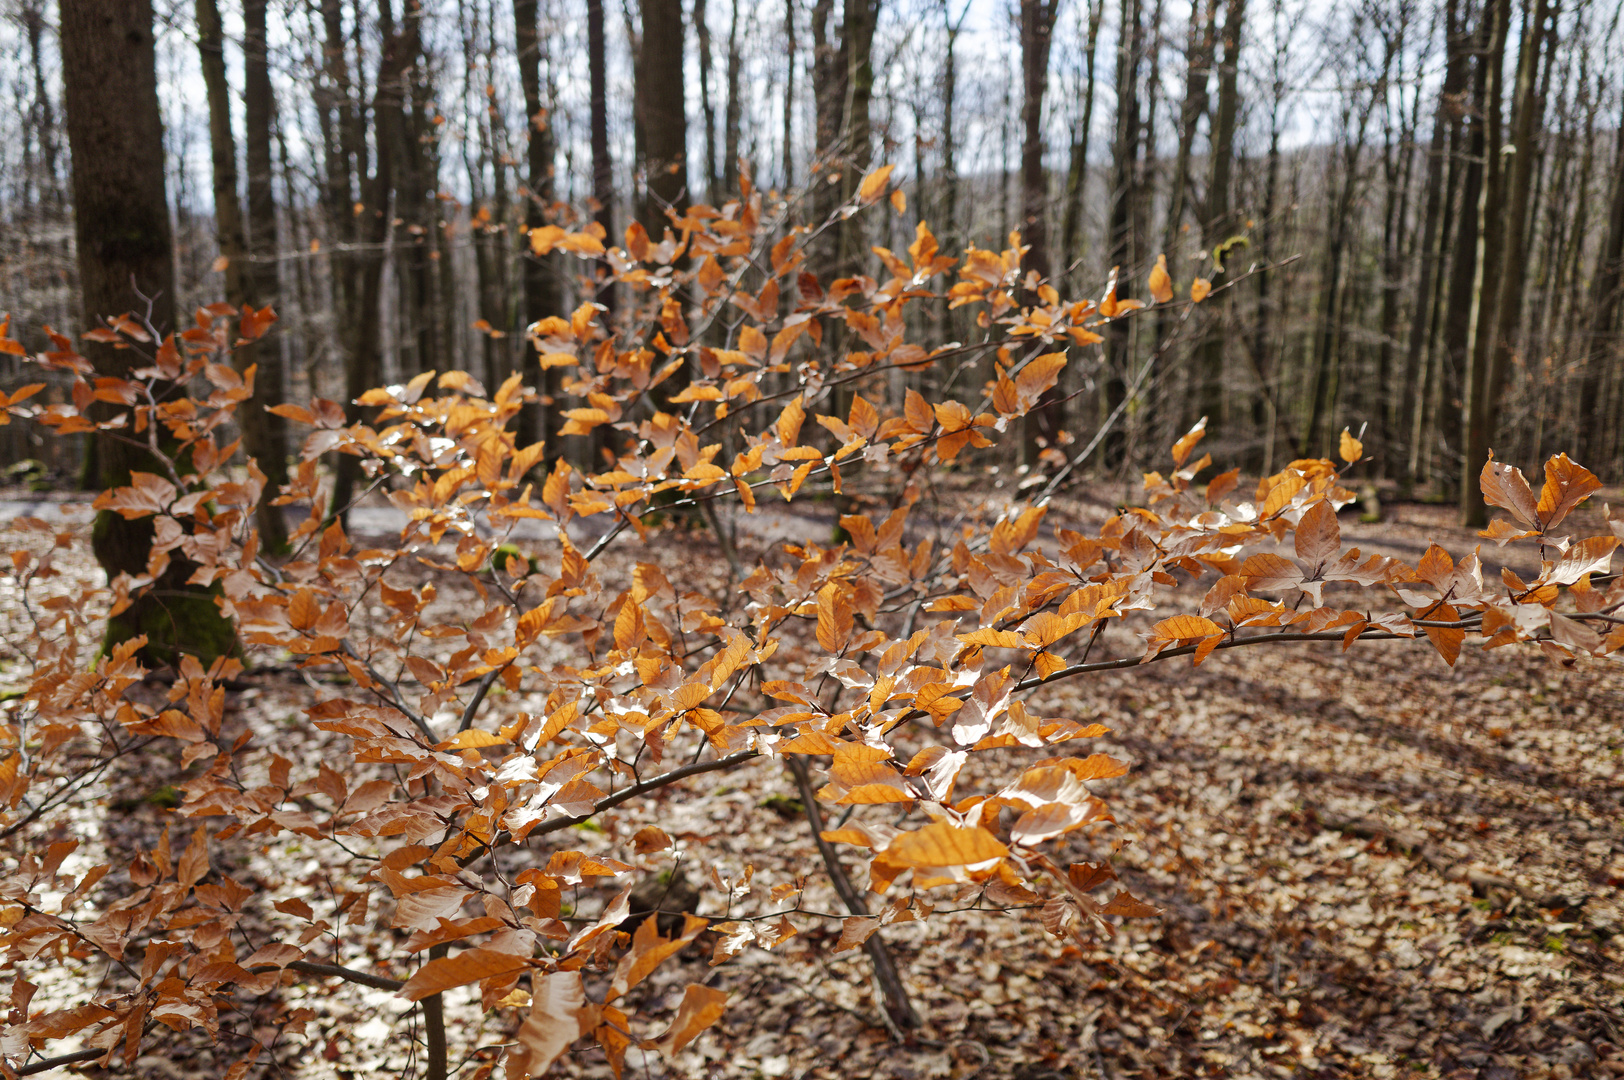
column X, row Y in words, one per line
column 1486, row 284
column 270, row 445
column 1077, row 165
column 789, row 95
column 662, row 108
column 707, row 106
column 1043, row 424
column 733, row 119
column 1513, row 277
column 1220, row 220
column 542, row 293
column 239, row 273
column 1120, row 232
column 1607, row 289
column 1445, row 127
column 125, row 256
column 363, row 370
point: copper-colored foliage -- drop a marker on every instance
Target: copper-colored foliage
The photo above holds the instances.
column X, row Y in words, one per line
column 885, row 660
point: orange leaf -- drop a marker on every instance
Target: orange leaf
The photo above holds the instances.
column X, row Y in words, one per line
column 1505, row 486
column 1161, row 284
column 701, row 1007
column 470, row 965
column 1567, row 484
column 945, row 844
column 1182, row 448
column 874, row 183
column 1350, row 449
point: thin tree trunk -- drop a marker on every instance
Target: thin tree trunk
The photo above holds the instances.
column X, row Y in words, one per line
column 1457, row 324
column 603, row 168
column 364, row 368
column 1606, row 291
column 1445, row 126
column 270, row 445
column 1043, row 424
column 542, row 294
column 734, row 118
column 1486, row 285
column 789, row 95
column 1120, row 238
column 1077, row 165
column 239, row 275
column 1509, row 303
column 1220, row 221
column 706, row 105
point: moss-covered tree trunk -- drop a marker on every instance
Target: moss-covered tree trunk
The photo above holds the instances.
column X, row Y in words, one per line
column 121, row 221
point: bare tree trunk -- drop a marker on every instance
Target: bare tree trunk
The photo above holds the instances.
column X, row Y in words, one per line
column 126, row 262
column 1120, row 234
column 707, row 106
column 239, row 275
column 542, row 294
column 1527, row 124
column 950, row 162
column 1457, row 326
column 1043, row 424
column 1220, row 221
column 1486, row 285
column 1607, row 289
column 734, row 118
column 789, row 95
column 270, row 446
column 1198, row 53
column 661, row 105
column 363, row 370
column 1445, row 128
column 603, row 168
column 1077, row 165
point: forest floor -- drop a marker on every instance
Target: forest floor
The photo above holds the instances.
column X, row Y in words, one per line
column 1370, row 865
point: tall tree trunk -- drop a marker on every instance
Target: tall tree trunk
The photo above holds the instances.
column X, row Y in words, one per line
column 1043, row 424
column 239, row 274
column 707, row 105
column 1457, row 323
column 43, row 116
column 1120, row 234
column 1527, row 121
column 857, row 46
column 542, row 293
column 1398, row 148
column 259, row 108
column 662, row 109
column 789, row 95
column 950, row 159
column 1445, row 127
column 1198, row 52
column 126, row 261
column 364, row 368
column 1077, row 164
column 1325, row 375
column 603, row 168
column 1486, row 285
column 1220, row 220
column 842, row 87
column 415, row 208
column 1607, row 288
column 733, row 120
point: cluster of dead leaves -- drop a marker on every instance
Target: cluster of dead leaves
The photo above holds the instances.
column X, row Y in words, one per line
column 928, row 649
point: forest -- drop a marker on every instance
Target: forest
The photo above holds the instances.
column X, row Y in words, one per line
column 897, row 538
